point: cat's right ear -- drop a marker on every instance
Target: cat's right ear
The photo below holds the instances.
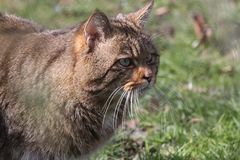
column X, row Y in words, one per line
column 96, row 28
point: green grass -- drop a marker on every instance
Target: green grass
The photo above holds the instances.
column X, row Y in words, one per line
column 193, row 113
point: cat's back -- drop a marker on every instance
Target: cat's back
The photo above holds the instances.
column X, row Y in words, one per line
column 12, row 28
column 18, row 35
column 28, row 49
column 13, row 24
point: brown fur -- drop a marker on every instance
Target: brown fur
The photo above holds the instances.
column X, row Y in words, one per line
column 54, row 84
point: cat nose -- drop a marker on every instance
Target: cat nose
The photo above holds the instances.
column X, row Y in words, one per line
column 148, row 76
column 149, row 79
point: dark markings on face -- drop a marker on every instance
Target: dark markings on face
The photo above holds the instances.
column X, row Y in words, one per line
column 133, row 44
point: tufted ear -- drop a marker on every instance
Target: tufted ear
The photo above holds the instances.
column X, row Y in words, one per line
column 140, row 17
column 96, row 28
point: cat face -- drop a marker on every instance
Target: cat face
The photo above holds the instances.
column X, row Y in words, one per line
column 116, row 53
column 134, row 59
column 139, row 60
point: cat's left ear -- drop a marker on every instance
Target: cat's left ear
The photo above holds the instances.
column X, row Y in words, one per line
column 140, row 17
column 96, row 28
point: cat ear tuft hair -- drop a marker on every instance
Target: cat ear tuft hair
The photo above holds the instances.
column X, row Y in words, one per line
column 140, row 17
column 96, row 28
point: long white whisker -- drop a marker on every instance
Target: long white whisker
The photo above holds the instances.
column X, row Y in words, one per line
column 110, row 97
column 118, row 106
column 134, row 102
column 109, row 103
column 137, row 103
column 131, row 104
column 115, row 110
column 125, row 108
column 138, row 96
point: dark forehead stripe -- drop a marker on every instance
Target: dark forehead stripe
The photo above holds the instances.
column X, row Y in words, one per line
column 141, row 44
column 126, row 27
column 136, row 48
column 137, row 40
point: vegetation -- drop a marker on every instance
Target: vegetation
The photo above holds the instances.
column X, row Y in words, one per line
column 193, row 113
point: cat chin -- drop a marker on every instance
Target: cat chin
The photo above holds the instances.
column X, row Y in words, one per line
column 144, row 89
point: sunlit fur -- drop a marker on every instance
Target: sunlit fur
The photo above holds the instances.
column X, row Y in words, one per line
column 63, row 93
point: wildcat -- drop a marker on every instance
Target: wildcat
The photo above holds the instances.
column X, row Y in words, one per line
column 64, row 92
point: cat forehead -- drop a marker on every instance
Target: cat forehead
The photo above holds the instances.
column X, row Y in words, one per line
column 128, row 29
column 133, row 47
column 129, row 33
column 136, row 43
column 129, row 38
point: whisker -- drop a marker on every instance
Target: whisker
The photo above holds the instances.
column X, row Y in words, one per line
column 131, row 104
column 134, row 109
column 167, row 94
column 157, row 35
column 138, row 91
column 111, row 95
column 138, row 103
column 125, row 108
column 135, row 103
column 109, row 103
column 118, row 106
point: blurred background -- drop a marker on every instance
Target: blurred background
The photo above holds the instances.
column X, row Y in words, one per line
column 194, row 110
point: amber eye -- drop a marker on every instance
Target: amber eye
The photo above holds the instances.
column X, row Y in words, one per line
column 125, row 62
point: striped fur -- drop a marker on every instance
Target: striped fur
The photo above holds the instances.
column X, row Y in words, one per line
column 54, row 84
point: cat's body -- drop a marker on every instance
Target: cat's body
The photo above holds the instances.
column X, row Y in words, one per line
column 54, row 85
column 45, row 71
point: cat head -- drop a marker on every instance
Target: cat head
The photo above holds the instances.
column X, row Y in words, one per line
column 115, row 53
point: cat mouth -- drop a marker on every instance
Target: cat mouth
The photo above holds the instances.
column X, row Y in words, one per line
column 141, row 87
